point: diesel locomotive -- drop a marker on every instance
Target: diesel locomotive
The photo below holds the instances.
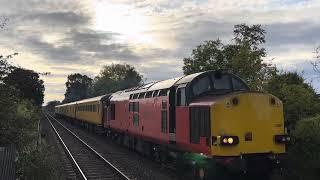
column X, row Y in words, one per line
column 210, row 118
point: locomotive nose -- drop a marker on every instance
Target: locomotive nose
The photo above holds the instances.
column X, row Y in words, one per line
column 246, row 123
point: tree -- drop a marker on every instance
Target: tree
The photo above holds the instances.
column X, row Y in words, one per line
column 51, row 104
column 5, row 67
column 299, row 98
column 78, row 87
column 243, row 57
column 116, row 77
column 316, row 62
column 28, row 83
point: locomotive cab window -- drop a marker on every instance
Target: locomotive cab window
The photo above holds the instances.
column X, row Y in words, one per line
column 221, row 81
column 238, row 85
column 202, row 85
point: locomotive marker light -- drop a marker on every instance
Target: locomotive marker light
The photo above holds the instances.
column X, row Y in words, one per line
column 283, row 139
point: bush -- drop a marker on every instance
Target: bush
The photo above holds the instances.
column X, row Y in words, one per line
column 304, row 152
column 19, row 126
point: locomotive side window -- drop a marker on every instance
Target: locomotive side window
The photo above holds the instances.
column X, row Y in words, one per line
column 163, row 92
column 135, row 96
column 238, row 85
column 141, row 95
column 135, row 106
column 130, row 106
column 149, row 94
column 201, row 86
column 181, row 97
column 164, row 121
column 136, row 119
column 155, row 93
column 112, row 112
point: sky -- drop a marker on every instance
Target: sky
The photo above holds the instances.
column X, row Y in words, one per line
column 73, row 36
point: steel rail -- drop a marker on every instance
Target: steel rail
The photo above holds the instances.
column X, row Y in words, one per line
column 67, row 149
column 88, row 146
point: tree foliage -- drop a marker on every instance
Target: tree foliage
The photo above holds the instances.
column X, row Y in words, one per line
column 51, row 104
column 78, row 87
column 304, row 153
column 28, row 83
column 316, row 62
column 19, row 118
column 5, row 67
column 243, row 57
column 299, row 98
column 116, row 77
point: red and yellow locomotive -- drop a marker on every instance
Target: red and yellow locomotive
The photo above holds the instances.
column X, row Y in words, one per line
column 212, row 115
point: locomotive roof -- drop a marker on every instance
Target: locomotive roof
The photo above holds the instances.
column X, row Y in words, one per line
column 164, row 84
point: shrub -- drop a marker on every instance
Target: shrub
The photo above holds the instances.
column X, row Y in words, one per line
column 304, row 152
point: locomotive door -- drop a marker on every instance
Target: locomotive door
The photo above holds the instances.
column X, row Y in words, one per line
column 104, row 106
column 172, row 113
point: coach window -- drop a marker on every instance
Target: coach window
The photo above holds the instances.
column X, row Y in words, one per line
column 155, row 93
column 181, row 97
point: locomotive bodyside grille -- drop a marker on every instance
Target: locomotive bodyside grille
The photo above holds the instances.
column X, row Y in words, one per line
column 199, row 124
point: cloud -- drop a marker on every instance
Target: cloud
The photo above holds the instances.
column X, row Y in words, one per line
column 62, row 37
column 302, row 33
column 62, row 18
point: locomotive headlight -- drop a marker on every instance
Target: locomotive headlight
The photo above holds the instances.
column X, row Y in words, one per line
column 225, row 140
column 229, row 140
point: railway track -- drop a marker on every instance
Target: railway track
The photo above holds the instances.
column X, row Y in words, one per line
column 88, row 163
